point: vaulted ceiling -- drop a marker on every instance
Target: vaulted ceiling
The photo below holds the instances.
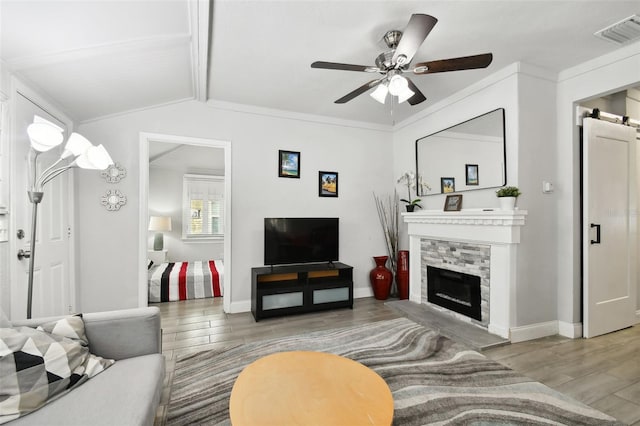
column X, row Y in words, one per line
column 99, row 58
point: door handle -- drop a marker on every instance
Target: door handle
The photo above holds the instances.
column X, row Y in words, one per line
column 597, row 240
column 24, row 254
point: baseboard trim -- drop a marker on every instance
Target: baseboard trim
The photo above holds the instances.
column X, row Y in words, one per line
column 570, row 330
column 499, row 331
column 360, row 292
column 238, row 307
column 533, row 331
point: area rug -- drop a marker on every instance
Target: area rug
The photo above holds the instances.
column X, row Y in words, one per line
column 433, row 379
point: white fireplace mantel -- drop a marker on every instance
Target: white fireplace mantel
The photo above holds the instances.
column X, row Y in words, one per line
column 499, row 229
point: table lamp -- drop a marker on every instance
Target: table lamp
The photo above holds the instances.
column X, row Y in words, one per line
column 159, row 224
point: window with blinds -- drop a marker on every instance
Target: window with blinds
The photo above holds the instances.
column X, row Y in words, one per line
column 203, row 207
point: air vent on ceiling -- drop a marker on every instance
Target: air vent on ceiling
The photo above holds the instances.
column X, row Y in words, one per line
column 622, row 32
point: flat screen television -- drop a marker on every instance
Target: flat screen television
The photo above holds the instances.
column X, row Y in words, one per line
column 300, row 240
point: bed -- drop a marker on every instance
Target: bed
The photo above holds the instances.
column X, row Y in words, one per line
column 174, row 281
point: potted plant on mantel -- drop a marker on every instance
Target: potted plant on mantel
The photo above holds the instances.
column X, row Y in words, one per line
column 409, row 178
column 507, row 197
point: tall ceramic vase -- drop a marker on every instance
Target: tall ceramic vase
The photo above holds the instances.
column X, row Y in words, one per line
column 381, row 278
column 402, row 274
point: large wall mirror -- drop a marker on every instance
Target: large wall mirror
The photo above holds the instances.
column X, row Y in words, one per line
column 468, row 156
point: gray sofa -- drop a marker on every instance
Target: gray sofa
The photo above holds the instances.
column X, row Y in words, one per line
column 128, row 392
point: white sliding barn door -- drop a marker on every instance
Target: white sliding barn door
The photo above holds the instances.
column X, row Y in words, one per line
column 609, row 228
column 52, row 289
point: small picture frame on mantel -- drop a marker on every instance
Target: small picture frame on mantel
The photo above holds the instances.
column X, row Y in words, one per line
column 453, row 203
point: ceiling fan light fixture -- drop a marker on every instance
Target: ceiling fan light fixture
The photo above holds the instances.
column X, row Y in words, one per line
column 380, row 94
column 405, row 94
column 397, row 84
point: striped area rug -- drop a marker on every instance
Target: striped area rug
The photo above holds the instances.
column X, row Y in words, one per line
column 433, row 379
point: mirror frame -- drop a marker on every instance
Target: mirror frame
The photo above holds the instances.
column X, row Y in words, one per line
column 419, row 191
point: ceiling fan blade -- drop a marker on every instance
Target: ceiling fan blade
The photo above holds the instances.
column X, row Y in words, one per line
column 359, row 91
column 344, row 67
column 454, row 64
column 418, row 28
column 417, row 97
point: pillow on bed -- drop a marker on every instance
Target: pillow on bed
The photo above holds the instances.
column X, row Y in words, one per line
column 38, row 367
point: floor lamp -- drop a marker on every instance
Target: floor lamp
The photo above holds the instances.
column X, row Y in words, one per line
column 78, row 152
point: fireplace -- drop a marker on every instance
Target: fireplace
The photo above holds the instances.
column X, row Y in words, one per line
column 456, row 291
column 496, row 231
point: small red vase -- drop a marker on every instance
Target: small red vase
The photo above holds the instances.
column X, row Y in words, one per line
column 381, row 278
column 402, row 274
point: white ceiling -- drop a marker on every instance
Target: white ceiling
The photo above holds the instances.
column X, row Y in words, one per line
column 98, row 58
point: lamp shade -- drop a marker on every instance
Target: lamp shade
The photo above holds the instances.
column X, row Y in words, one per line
column 38, row 119
column 396, row 84
column 405, row 94
column 44, row 136
column 76, row 145
column 95, row 158
column 160, row 223
column 380, row 94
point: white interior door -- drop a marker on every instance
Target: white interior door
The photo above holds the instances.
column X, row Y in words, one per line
column 609, row 229
column 52, row 294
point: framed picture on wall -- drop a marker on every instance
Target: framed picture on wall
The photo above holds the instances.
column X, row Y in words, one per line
column 453, row 203
column 471, row 172
column 327, row 184
column 289, row 164
column 447, row 185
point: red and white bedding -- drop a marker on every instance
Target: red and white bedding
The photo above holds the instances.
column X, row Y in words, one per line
column 173, row 281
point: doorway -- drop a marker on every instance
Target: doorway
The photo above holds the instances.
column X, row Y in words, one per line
column 609, row 195
column 157, row 148
column 609, row 227
column 53, row 278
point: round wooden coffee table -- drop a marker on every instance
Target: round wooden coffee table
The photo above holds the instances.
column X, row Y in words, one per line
column 309, row 388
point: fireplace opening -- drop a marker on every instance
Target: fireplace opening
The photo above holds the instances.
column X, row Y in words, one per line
column 456, row 291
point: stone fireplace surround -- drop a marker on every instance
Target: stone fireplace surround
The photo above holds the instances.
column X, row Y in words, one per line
column 497, row 229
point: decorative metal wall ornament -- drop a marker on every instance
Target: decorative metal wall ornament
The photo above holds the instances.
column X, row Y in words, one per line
column 113, row 200
column 114, row 173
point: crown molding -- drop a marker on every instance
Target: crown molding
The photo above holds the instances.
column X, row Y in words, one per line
column 134, row 110
column 621, row 54
column 297, row 116
column 496, row 77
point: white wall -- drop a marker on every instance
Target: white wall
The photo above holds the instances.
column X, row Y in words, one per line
column 360, row 155
column 604, row 75
column 165, row 199
column 5, row 288
column 536, row 296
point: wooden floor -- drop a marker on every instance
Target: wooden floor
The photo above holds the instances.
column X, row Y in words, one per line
column 603, row 372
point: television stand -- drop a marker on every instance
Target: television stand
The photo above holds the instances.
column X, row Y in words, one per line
column 295, row 289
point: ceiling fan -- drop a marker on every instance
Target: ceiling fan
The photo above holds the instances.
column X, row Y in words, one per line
column 394, row 62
